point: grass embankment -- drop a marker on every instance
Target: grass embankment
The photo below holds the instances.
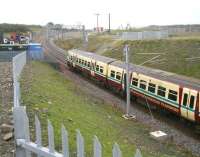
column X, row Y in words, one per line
column 173, row 52
column 95, row 43
column 50, row 95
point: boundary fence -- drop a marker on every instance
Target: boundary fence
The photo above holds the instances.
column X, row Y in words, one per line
column 145, row 35
column 25, row 147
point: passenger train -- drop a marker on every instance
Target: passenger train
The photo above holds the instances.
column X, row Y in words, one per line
column 177, row 94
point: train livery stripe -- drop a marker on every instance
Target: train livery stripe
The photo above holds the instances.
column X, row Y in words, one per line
column 187, row 108
column 156, row 97
column 100, row 73
column 115, row 80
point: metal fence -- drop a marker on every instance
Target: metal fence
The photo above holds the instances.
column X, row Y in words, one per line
column 6, row 56
column 146, row 35
column 18, row 63
column 25, row 147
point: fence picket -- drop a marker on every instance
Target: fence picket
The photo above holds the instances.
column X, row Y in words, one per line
column 27, row 133
column 65, row 143
column 38, row 132
column 116, row 151
column 80, row 144
column 138, row 153
column 51, row 138
column 97, row 147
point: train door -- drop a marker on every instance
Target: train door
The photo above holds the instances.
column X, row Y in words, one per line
column 188, row 104
column 92, row 68
column 74, row 61
column 198, row 111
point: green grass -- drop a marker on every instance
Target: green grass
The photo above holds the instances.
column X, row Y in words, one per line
column 50, row 95
column 95, row 43
column 172, row 59
column 174, row 52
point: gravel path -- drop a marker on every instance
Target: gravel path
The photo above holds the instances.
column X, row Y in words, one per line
column 6, row 95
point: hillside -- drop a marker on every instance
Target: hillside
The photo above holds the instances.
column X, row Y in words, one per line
column 173, row 53
column 5, row 28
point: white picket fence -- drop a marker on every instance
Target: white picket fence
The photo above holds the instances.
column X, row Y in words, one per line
column 25, row 147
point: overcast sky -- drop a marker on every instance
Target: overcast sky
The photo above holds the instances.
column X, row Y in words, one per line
column 135, row 12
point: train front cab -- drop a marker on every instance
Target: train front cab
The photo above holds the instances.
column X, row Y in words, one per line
column 69, row 58
column 190, row 104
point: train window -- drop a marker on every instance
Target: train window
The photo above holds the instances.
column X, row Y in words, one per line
column 152, row 88
column 85, row 63
column 161, row 91
column 192, row 101
column 101, row 69
column 172, row 95
column 118, row 76
column 112, row 74
column 97, row 67
column 143, row 84
column 88, row 64
column 185, row 98
column 80, row 61
column 135, row 82
column 77, row 60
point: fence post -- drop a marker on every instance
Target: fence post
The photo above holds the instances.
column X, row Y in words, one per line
column 38, row 133
column 65, row 144
column 138, row 153
column 97, row 147
column 51, row 137
column 21, row 130
column 116, row 151
column 80, row 144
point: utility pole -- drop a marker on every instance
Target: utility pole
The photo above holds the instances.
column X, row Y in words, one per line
column 85, row 36
column 126, row 49
column 109, row 22
column 97, row 14
column 47, row 32
column 127, row 115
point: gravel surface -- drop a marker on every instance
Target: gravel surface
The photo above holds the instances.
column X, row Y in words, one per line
column 6, row 95
column 179, row 132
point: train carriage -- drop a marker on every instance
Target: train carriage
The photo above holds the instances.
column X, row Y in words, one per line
column 175, row 93
column 116, row 76
column 101, row 64
column 175, row 87
column 80, row 60
column 94, row 65
column 161, row 93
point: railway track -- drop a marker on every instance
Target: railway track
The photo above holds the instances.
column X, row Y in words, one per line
column 56, row 53
column 182, row 132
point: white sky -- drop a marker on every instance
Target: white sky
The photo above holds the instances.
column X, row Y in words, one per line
column 135, row 12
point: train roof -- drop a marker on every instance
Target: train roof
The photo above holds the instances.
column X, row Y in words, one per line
column 155, row 73
column 162, row 75
column 94, row 56
column 168, row 76
column 121, row 64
